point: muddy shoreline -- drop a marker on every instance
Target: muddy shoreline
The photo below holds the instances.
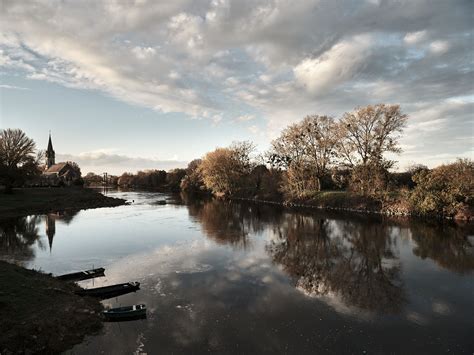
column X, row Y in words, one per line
column 40, row 314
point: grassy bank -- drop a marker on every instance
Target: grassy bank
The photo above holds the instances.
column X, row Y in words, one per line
column 39, row 314
column 28, row 201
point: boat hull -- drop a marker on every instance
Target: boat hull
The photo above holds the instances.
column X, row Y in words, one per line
column 125, row 313
column 82, row 275
column 110, row 291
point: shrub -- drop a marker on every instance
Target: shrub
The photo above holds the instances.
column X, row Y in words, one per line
column 445, row 191
column 369, row 180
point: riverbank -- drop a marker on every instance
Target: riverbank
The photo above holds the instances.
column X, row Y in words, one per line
column 26, row 201
column 346, row 201
column 40, row 314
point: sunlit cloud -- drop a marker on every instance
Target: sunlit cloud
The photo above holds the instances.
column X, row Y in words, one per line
column 283, row 60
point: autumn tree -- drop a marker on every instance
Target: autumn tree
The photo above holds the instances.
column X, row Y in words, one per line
column 365, row 136
column 224, row 170
column 367, row 133
column 306, row 150
column 18, row 158
column 193, row 181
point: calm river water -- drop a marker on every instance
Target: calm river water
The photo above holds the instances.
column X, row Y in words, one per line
column 243, row 278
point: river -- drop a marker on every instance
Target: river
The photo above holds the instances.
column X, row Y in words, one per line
column 229, row 277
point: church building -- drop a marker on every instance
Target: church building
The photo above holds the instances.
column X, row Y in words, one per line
column 60, row 174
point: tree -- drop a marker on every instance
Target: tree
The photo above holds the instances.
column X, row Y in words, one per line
column 306, row 150
column 92, row 179
column 225, row 169
column 193, row 181
column 75, row 167
column 18, row 160
column 367, row 133
column 174, row 178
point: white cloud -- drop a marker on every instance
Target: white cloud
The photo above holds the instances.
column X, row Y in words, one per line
column 335, row 66
column 439, row 47
column 144, row 52
column 414, row 37
column 12, row 87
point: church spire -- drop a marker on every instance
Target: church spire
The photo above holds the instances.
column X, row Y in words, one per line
column 50, row 155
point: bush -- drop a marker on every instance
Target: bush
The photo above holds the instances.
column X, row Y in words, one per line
column 369, row 180
column 446, row 191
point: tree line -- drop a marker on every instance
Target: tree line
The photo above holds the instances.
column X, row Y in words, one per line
column 321, row 160
column 337, row 163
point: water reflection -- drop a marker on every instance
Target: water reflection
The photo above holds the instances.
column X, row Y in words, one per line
column 20, row 236
column 229, row 277
column 17, row 237
column 354, row 258
column 450, row 246
column 224, row 222
column 51, row 218
column 355, row 262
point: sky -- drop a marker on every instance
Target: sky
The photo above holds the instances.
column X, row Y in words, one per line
column 128, row 85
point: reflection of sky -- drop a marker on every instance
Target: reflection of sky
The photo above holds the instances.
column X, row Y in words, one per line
column 203, row 294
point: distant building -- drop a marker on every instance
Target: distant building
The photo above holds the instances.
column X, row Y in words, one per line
column 65, row 173
column 50, row 154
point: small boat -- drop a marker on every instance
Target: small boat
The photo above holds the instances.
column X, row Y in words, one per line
column 110, row 291
column 82, row 275
column 137, row 311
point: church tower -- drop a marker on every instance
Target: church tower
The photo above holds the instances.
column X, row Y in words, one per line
column 50, row 161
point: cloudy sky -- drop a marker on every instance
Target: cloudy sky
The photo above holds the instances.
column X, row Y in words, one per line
column 127, row 85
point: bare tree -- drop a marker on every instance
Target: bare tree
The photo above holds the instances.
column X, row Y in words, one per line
column 18, row 160
column 367, row 133
column 306, row 150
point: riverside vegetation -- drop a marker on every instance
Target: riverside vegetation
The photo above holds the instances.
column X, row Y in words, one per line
column 328, row 163
column 319, row 161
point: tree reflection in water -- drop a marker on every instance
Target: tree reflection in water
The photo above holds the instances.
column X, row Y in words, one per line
column 352, row 257
column 450, row 246
column 226, row 222
column 351, row 260
column 17, row 237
